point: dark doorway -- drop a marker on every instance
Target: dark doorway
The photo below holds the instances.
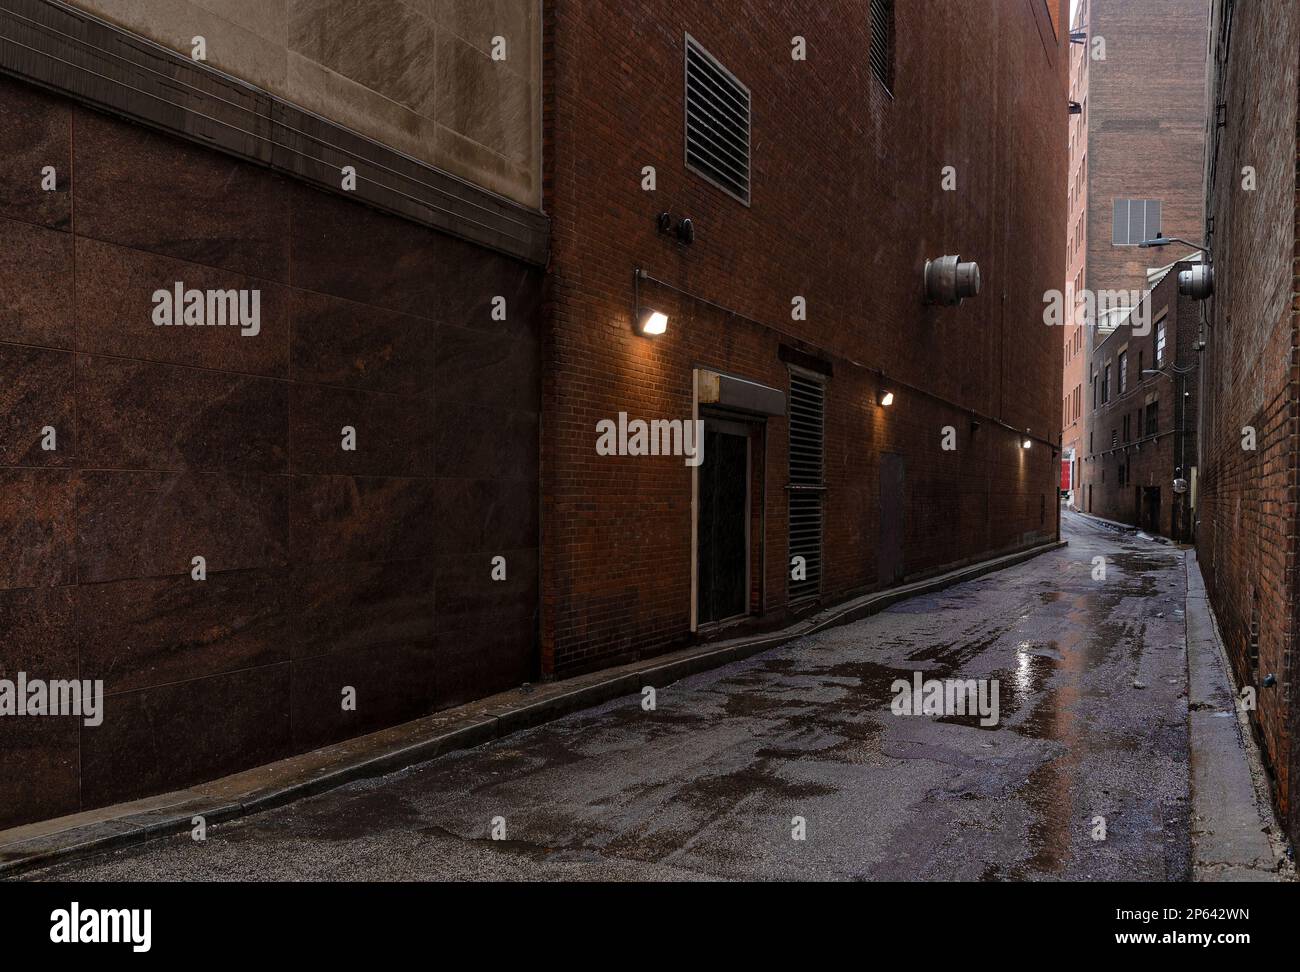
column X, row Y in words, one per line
column 723, row 544
column 1151, row 509
column 889, row 550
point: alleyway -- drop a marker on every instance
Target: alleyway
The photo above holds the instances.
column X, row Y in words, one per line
column 1093, row 723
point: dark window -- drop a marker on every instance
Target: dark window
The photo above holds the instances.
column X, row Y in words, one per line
column 1141, row 365
column 1123, row 473
column 1128, row 428
column 1135, row 220
column 717, row 122
column 1153, row 418
column 882, row 42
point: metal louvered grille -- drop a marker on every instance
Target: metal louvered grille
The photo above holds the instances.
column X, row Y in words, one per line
column 807, row 411
column 717, row 122
column 882, row 41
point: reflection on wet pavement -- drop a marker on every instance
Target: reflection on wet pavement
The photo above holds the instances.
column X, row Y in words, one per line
column 1092, row 687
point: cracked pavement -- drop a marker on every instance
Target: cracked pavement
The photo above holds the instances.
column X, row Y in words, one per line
column 1093, row 699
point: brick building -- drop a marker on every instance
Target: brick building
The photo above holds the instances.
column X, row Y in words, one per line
column 128, row 449
column 828, row 193
column 1138, row 143
column 1074, row 401
column 1143, row 434
column 394, row 484
column 1249, row 518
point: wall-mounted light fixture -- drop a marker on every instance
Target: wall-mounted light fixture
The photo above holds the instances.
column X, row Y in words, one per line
column 1026, row 442
column 885, row 398
column 949, row 280
column 651, row 322
column 648, row 321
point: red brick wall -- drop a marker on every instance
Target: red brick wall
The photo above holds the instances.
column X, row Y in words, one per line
column 1153, row 461
column 1249, row 515
column 325, row 568
column 1146, row 128
column 846, row 207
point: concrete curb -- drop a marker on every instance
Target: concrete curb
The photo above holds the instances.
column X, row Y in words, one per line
column 40, row 844
column 1110, row 524
column 1235, row 836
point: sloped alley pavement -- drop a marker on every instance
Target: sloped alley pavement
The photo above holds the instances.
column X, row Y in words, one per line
column 1093, row 684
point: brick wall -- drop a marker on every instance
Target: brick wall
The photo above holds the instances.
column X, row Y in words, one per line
column 325, row 568
column 1247, row 536
column 1074, row 378
column 1146, row 128
column 1151, row 461
column 846, row 208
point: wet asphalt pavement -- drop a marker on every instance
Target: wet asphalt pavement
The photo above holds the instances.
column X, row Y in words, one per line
column 1092, row 680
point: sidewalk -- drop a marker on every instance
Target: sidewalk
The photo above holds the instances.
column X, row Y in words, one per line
column 1234, row 834
column 1102, row 521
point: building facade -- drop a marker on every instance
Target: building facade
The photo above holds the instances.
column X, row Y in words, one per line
column 821, row 159
column 1143, row 432
column 1139, row 144
column 414, row 474
column 1249, row 511
column 1074, row 402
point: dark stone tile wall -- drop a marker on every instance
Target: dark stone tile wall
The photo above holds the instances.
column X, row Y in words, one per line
column 325, row 568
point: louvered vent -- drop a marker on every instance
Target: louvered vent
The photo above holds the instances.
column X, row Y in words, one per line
column 807, row 410
column 882, row 41
column 717, row 122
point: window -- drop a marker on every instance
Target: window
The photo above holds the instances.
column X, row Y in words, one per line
column 1123, row 372
column 1114, row 438
column 1153, row 418
column 1141, row 365
column 882, row 42
column 1105, row 385
column 1123, row 473
column 717, row 122
column 1128, row 429
column 1135, row 220
column 1160, row 343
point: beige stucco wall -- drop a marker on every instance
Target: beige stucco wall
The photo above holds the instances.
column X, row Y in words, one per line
column 417, row 75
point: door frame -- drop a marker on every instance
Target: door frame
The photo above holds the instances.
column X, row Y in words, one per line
column 756, row 424
column 731, row 426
